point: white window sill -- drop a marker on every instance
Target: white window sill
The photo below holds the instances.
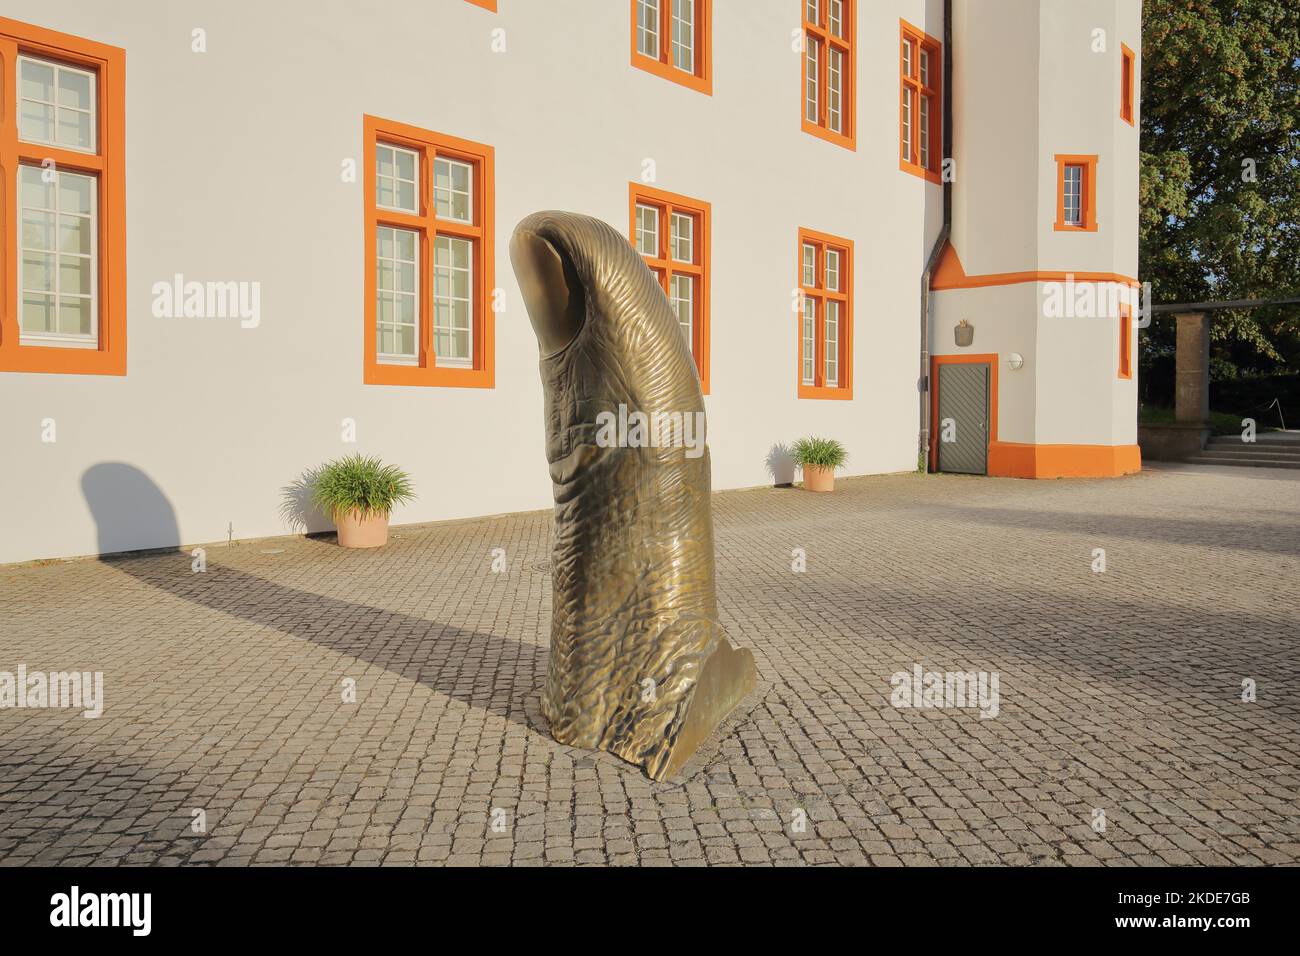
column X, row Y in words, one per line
column 58, row 342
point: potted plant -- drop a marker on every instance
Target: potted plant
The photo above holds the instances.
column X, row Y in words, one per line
column 819, row 457
column 359, row 493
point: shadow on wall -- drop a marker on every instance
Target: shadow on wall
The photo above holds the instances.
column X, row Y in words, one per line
column 490, row 672
column 130, row 512
column 299, row 514
column 780, row 465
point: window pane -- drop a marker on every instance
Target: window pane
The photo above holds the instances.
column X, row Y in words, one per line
column 1073, row 200
column 832, row 343
column 407, row 243
column 452, row 302
column 683, row 235
column 682, row 298
column 925, row 67
column 397, row 281
column 38, row 313
column 684, row 35
column 36, row 123
column 56, row 104
column 647, row 230
column 811, row 13
column 38, row 231
column 809, row 340
column 809, row 265
column 647, row 28
column 37, row 81
column 406, row 165
column 74, row 316
column 925, row 131
column 837, row 18
column 907, row 125
column 811, row 61
column 74, row 275
column 76, row 193
column 452, row 190
column 907, row 58
column 834, row 82
column 833, row 270
column 74, row 234
column 395, row 178
column 38, row 272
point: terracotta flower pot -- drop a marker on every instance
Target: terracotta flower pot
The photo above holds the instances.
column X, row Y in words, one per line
column 358, row 530
column 818, row 478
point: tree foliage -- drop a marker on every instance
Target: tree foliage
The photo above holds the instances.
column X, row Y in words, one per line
column 1220, row 186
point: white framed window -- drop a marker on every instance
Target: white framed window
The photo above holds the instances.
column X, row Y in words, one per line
column 809, row 264
column 56, row 105
column 647, row 230
column 396, row 172
column 811, row 11
column 925, row 131
column 907, row 124
column 834, row 86
column 58, row 265
column 833, row 270
column 683, row 237
column 832, row 343
column 811, row 60
column 453, row 190
column 684, row 35
column 398, row 291
column 647, row 28
column 1073, row 197
column 453, row 274
column 809, row 340
column 837, row 18
column 682, row 297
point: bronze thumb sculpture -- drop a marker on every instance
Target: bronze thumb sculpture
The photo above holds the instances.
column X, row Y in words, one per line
column 639, row 665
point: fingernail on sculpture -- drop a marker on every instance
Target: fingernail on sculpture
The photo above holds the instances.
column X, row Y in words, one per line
column 639, row 665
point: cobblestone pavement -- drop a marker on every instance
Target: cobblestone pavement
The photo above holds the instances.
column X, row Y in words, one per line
column 1119, row 692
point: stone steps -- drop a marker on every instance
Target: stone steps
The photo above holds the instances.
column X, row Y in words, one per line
column 1224, row 458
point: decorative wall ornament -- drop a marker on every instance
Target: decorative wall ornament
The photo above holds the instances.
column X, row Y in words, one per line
column 963, row 333
column 639, row 665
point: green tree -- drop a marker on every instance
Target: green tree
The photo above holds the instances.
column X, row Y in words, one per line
column 1220, row 186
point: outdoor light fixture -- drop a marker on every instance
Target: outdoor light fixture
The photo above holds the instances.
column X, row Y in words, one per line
column 963, row 333
column 1015, row 360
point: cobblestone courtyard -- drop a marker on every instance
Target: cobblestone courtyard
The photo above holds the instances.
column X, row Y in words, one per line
column 1120, row 691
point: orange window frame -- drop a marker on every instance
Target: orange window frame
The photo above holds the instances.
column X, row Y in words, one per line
column 701, row 78
column 819, row 32
column 822, row 241
column 107, row 164
column 1127, row 76
column 1088, row 194
column 909, row 84
column 664, row 266
column 429, row 145
column 1125, row 342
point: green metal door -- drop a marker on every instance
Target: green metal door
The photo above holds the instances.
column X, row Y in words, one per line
column 964, row 418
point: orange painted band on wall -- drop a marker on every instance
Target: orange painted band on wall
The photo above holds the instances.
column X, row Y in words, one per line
column 950, row 274
column 1015, row 460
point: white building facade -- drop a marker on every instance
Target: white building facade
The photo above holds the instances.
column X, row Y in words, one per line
column 242, row 239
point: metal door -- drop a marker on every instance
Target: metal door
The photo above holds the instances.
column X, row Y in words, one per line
column 964, row 418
